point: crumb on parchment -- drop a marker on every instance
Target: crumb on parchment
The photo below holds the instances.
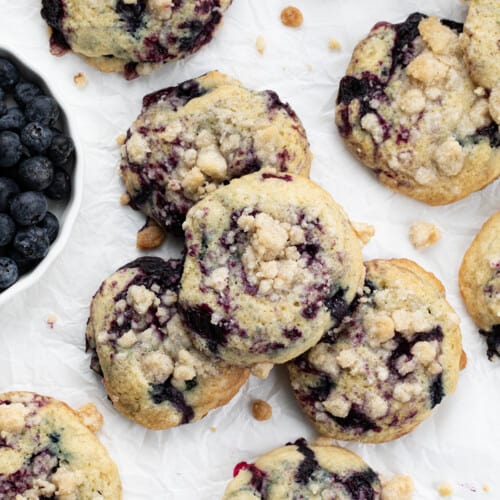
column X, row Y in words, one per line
column 364, row 232
column 261, row 410
column 291, row 17
column 399, row 487
column 51, row 320
column 334, row 44
column 445, row 489
column 423, row 234
column 260, row 44
column 80, row 80
column 151, row 236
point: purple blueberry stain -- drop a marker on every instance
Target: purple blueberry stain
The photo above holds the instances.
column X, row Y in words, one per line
column 360, row 484
column 286, row 177
column 308, row 466
column 356, row 420
column 436, row 390
column 258, row 476
column 160, row 393
column 176, row 96
column 131, row 14
column 492, row 341
column 198, row 33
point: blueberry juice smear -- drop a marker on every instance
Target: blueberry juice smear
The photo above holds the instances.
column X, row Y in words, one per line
column 36, row 162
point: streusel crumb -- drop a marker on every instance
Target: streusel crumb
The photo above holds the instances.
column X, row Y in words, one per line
column 261, row 410
column 424, row 234
column 292, row 17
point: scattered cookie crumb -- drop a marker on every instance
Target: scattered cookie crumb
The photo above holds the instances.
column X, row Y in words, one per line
column 125, row 199
column 334, row 44
column 486, row 488
column 261, row 370
column 400, row 487
column 120, row 140
column 260, row 44
column 291, row 17
column 51, row 320
column 150, row 236
column 261, row 410
column 80, row 80
column 309, row 67
column 364, row 232
column 91, row 417
column 213, row 429
column 424, row 234
column 463, row 360
column 445, row 489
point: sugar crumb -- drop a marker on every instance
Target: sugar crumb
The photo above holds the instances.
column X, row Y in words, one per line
column 445, row 489
column 292, row 17
column 364, row 232
column 334, row 44
column 51, row 320
column 423, row 234
column 260, row 44
column 80, row 80
column 261, row 410
column 399, row 487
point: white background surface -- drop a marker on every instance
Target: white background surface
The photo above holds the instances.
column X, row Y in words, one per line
column 458, row 443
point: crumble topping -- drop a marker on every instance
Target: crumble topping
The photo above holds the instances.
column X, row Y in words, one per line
column 12, row 418
column 91, row 417
column 424, row 234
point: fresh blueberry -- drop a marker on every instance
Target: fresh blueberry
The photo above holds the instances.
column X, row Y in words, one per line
column 8, row 272
column 61, row 148
column 32, row 242
column 51, row 225
column 36, row 173
column 7, row 229
column 36, row 136
column 10, row 149
column 60, row 189
column 8, row 189
column 25, row 92
column 8, row 74
column 43, row 109
column 13, row 119
column 24, row 264
column 28, row 208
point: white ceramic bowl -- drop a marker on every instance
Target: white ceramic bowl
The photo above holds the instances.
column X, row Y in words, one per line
column 67, row 211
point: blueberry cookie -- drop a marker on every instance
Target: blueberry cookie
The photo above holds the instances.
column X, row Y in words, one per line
column 46, row 451
column 194, row 137
column 272, row 262
column 142, row 348
column 480, row 41
column 480, row 282
column 390, row 362
column 131, row 36
column 408, row 110
column 302, row 471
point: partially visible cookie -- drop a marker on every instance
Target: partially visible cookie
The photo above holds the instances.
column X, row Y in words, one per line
column 272, row 263
column 197, row 136
column 481, row 42
column 46, row 451
column 390, row 362
column 479, row 280
column 140, row 345
column 302, row 471
column 131, row 36
column 409, row 111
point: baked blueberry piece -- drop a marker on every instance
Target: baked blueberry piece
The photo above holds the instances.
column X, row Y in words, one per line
column 390, row 362
column 130, row 36
column 140, row 345
column 408, row 109
column 302, row 471
column 46, row 451
column 272, row 263
column 194, row 137
column 479, row 280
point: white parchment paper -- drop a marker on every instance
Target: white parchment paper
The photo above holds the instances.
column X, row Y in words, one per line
column 458, row 443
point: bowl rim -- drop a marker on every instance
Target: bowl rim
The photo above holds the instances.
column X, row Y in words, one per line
column 72, row 207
